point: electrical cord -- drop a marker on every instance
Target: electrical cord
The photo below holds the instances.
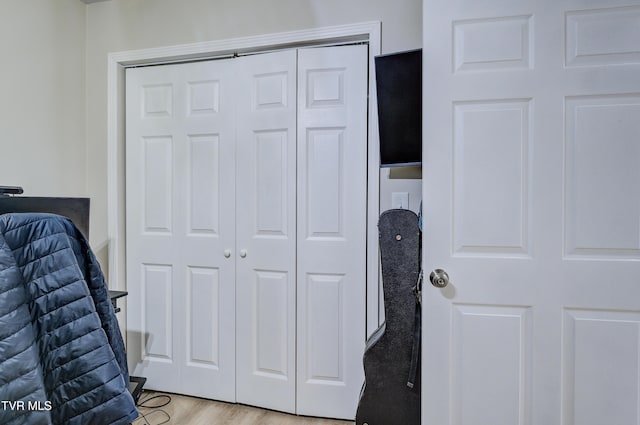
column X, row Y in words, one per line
column 154, row 402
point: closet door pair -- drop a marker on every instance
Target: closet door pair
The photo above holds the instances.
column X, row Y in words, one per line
column 246, row 212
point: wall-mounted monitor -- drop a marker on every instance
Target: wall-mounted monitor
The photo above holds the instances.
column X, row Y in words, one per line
column 399, row 93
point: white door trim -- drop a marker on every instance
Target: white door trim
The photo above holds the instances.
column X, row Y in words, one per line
column 118, row 61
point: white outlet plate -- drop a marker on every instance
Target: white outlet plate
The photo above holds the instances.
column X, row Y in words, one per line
column 400, row 200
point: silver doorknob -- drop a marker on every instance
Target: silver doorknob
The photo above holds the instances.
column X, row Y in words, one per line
column 439, row 278
column 227, row 253
column 243, row 253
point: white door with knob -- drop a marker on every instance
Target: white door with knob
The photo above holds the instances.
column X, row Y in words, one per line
column 532, row 209
column 246, row 228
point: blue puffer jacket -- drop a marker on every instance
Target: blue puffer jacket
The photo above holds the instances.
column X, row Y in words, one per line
column 62, row 358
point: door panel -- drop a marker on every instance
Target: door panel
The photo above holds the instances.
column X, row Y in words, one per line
column 476, row 331
column 593, row 168
column 203, row 315
column 490, row 223
column 332, row 148
column 204, row 169
column 531, row 201
column 590, row 389
column 180, row 220
column 157, row 287
column 266, row 230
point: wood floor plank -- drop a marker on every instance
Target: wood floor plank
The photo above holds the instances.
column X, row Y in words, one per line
column 183, row 410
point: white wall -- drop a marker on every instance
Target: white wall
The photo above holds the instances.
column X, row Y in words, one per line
column 42, row 129
column 403, row 179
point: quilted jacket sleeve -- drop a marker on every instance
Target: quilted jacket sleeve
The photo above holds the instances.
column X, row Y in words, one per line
column 100, row 294
column 82, row 377
column 20, row 374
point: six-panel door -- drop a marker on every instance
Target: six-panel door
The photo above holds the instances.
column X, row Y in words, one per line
column 532, row 206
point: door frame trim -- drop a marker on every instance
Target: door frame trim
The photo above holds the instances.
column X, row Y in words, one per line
column 369, row 32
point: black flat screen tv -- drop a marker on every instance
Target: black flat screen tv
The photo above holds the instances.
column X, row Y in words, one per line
column 399, row 92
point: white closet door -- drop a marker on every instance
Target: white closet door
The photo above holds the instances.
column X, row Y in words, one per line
column 180, row 220
column 266, row 230
column 332, row 187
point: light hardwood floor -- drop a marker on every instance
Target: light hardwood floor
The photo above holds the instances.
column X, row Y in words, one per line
column 183, row 410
